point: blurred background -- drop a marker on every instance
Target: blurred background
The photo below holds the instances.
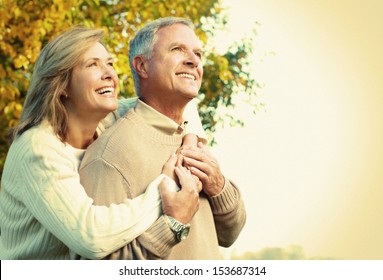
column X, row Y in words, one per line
column 309, row 162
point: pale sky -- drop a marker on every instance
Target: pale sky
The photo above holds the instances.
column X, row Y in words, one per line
column 311, row 166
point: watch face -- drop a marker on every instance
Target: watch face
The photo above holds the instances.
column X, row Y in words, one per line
column 184, row 233
column 180, row 230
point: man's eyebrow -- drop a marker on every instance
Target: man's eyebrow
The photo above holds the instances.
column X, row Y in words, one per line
column 177, row 44
column 182, row 45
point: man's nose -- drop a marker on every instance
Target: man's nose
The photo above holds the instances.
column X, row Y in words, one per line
column 192, row 59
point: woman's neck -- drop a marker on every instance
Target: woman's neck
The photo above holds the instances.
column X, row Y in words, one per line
column 81, row 133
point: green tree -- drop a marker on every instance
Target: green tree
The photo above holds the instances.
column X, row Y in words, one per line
column 27, row 25
column 292, row 252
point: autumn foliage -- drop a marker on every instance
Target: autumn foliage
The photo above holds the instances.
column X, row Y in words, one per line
column 26, row 26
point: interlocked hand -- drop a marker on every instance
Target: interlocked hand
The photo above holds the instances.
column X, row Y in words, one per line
column 205, row 166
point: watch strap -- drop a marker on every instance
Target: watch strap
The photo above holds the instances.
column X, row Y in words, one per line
column 180, row 230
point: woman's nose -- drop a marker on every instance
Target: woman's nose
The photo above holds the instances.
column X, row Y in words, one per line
column 108, row 73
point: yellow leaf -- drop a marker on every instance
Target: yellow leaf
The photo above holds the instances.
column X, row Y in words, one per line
column 2, row 72
column 17, row 12
column 162, row 9
column 129, row 17
column 225, row 76
column 21, row 61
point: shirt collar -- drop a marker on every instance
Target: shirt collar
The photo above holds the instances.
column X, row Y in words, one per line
column 158, row 120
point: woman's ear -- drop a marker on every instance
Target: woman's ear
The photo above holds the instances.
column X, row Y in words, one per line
column 139, row 64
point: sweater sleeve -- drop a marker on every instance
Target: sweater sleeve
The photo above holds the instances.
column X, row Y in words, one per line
column 54, row 195
column 158, row 241
column 194, row 125
column 229, row 213
column 154, row 243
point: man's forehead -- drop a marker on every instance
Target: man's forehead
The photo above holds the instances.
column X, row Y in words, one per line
column 177, row 34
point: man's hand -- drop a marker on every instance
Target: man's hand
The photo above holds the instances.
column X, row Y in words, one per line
column 184, row 204
column 205, row 166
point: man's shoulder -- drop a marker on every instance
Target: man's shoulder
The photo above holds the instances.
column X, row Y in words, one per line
column 121, row 129
column 106, row 138
column 113, row 143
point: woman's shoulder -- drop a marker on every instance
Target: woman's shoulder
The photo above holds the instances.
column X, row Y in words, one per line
column 42, row 131
column 40, row 137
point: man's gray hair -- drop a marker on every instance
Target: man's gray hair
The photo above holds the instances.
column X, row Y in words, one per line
column 143, row 42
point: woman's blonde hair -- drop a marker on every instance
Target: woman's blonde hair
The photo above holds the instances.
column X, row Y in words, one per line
column 50, row 79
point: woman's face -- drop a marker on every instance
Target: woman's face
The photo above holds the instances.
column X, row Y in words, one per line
column 92, row 90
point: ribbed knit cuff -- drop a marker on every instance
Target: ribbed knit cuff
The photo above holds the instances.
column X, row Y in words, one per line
column 226, row 200
column 160, row 237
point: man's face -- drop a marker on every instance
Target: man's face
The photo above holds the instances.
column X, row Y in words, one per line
column 175, row 69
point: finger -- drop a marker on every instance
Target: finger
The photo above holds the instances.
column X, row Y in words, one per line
column 206, row 150
column 201, row 145
column 199, row 186
column 186, row 179
column 182, row 173
column 180, row 160
column 198, row 182
column 200, row 174
column 203, row 166
column 193, row 152
column 171, row 162
column 196, row 179
column 168, row 167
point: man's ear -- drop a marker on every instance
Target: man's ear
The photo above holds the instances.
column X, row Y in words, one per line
column 139, row 64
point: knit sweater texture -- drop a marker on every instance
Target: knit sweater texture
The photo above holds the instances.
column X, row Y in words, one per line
column 131, row 154
column 45, row 212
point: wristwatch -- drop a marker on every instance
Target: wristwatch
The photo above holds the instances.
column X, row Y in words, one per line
column 180, row 230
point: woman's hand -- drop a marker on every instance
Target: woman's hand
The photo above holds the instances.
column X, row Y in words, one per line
column 186, row 179
column 169, row 166
column 184, row 204
column 176, row 160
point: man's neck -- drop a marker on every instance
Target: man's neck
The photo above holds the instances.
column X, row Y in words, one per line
column 171, row 109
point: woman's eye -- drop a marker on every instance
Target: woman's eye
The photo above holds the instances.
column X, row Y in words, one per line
column 92, row 64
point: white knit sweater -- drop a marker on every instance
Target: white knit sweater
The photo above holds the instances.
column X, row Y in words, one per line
column 44, row 210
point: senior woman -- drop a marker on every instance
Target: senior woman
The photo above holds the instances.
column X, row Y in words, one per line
column 44, row 211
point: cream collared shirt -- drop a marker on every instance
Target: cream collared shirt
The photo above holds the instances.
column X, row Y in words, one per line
column 192, row 122
column 159, row 121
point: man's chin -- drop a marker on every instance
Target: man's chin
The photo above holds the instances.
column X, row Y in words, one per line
column 191, row 94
